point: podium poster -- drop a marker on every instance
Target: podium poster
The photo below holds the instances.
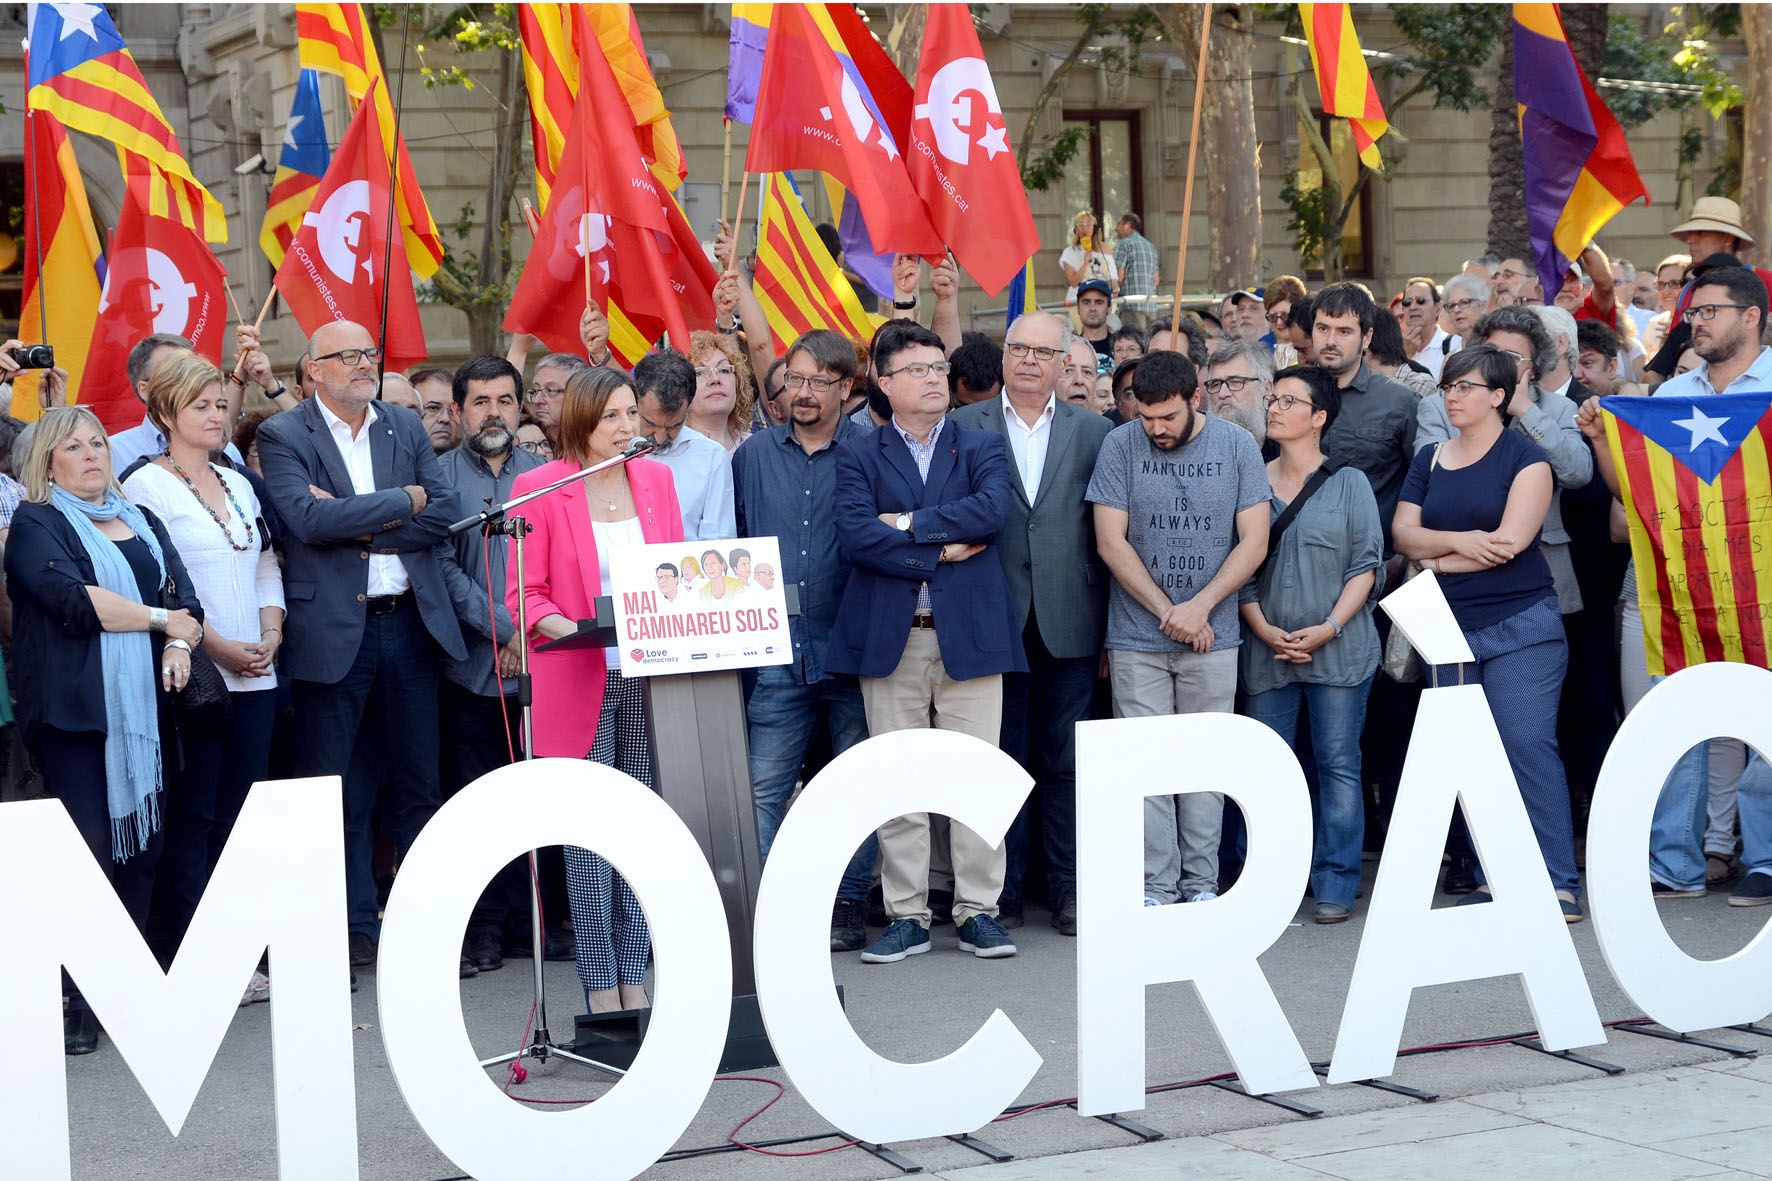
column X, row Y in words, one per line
column 697, row 606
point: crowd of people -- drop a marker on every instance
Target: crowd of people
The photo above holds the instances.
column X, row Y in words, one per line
column 1098, row 516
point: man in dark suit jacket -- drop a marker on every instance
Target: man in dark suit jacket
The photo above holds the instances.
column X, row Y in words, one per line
column 363, row 503
column 926, row 621
column 1058, row 589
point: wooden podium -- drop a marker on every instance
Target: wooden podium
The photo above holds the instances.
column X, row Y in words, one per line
column 695, row 723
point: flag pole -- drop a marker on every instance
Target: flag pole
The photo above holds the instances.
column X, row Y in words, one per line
column 37, row 223
column 726, row 172
column 738, row 220
column 265, row 309
column 1193, row 143
column 394, row 227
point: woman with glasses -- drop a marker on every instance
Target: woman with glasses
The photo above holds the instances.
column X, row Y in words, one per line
column 1670, row 277
column 1471, row 511
column 1310, row 606
column 724, row 390
column 584, row 707
column 533, row 439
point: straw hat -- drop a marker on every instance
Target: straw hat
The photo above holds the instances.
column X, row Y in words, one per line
column 1718, row 214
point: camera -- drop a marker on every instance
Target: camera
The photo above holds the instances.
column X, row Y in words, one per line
column 34, row 356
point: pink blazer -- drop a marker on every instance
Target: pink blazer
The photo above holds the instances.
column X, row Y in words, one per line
column 562, row 577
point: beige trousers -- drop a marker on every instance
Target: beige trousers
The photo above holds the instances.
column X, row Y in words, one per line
column 920, row 695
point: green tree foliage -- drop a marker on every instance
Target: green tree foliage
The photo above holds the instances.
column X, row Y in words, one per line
column 1116, row 34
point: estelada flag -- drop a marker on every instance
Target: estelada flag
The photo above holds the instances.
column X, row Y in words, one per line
column 160, row 277
column 961, row 162
column 1695, row 476
column 341, row 260
column 814, row 110
column 606, row 206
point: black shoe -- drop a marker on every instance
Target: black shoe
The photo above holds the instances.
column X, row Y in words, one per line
column 353, row 982
column 1064, row 915
column 1755, row 889
column 362, row 950
column 559, row 947
column 482, row 951
column 847, row 931
column 1011, row 917
column 1460, row 879
column 79, row 1032
column 467, row 968
column 941, row 908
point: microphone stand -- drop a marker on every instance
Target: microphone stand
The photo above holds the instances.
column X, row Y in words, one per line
column 495, row 519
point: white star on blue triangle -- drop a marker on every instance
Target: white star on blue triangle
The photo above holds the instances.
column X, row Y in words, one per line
column 1701, row 433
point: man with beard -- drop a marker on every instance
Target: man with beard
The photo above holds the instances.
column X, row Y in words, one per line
column 480, row 731
column 1237, row 378
column 1058, row 592
column 665, row 385
column 785, row 485
column 1181, row 520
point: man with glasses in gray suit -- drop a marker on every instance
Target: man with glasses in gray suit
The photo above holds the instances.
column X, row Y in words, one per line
column 1057, row 588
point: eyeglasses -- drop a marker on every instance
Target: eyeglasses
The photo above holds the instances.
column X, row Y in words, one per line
column 352, row 357
column 1669, row 284
column 920, row 370
column 1041, row 352
column 536, row 447
column 543, row 393
column 1709, row 311
column 1417, row 301
column 823, row 385
column 1286, row 402
column 716, row 371
column 1233, row 384
column 1464, row 389
column 1519, row 360
column 1277, row 319
column 1458, row 305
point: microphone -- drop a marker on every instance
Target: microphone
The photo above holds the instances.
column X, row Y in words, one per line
column 640, row 445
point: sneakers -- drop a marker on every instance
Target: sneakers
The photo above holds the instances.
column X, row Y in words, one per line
column 1332, row 912
column 1661, row 889
column 985, row 938
column 1755, row 889
column 847, row 931
column 1204, row 896
column 902, row 938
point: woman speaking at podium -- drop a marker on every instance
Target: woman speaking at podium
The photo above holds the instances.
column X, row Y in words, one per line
column 582, row 702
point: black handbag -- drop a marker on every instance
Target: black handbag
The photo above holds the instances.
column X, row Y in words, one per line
column 203, row 706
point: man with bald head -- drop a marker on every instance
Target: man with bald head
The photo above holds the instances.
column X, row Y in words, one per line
column 1057, row 589
column 397, row 391
column 363, row 503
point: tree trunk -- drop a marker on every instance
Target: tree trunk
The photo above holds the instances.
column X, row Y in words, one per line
column 1509, row 236
column 904, row 37
column 1585, row 26
column 1756, row 125
column 485, row 334
column 1226, row 167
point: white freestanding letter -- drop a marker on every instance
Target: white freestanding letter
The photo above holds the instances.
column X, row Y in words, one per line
column 1682, row 993
column 490, row 822
column 860, row 1092
column 1123, row 946
column 1455, row 754
column 280, row 883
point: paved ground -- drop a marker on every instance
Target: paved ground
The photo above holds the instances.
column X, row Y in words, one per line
column 1679, row 1110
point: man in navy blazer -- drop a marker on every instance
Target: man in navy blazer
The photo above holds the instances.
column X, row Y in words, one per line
column 926, row 621
column 363, row 502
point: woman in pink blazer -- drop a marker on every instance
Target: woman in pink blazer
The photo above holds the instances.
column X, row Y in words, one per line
column 584, row 707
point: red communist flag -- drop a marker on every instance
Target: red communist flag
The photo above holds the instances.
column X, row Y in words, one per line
column 339, row 263
column 814, row 110
column 606, row 206
column 960, row 159
column 161, row 277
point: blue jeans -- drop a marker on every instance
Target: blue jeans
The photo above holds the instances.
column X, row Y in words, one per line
column 1337, row 716
column 782, row 714
column 1676, row 832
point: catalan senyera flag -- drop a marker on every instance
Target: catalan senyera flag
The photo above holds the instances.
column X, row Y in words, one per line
column 333, row 39
column 1695, row 475
column 799, row 284
column 1579, row 171
column 300, row 165
column 60, row 297
column 1342, row 77
column 84, row 75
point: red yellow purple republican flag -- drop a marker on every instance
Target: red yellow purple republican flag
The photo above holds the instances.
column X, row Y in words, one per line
column 1342, row 77
column 1696, row 480
column 1579, row 171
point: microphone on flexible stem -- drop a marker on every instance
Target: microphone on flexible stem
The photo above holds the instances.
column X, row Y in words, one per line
column 640, row 445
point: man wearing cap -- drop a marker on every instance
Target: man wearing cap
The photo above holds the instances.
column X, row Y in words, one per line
column 1714, row 238
column 1243, row 315
column 1094, row 297
column 1602, row 303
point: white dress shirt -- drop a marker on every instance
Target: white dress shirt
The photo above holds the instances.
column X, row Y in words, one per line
column 1433, row 357
column 702, row 472
column 387, row 574
column 1028, row 443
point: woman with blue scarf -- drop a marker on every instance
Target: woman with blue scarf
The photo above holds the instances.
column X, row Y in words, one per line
column 95, row 652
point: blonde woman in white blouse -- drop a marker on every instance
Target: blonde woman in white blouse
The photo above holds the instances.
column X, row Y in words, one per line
column 216, row 523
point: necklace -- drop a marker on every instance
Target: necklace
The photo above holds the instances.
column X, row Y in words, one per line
column 232, row 504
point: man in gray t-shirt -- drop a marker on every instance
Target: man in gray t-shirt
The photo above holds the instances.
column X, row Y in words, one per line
column 1181, row 520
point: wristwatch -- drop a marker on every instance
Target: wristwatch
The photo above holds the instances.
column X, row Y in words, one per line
column 903, row 524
